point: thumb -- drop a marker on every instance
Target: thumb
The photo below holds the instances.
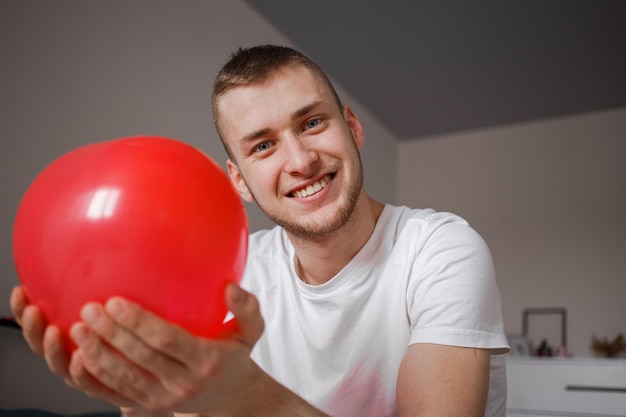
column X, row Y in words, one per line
column 248, row 325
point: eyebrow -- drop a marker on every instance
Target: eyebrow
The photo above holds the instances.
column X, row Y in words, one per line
column 302, row 111
column 254, row 135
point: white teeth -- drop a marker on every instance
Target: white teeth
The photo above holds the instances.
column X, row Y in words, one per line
column 312, row 189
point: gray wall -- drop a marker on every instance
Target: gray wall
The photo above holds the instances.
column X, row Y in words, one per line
column 76, row 72
column 549, row 197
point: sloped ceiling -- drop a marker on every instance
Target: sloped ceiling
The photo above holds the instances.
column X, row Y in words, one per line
column 425, row 68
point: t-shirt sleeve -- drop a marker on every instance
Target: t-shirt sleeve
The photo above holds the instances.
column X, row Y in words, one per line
column 452, row 296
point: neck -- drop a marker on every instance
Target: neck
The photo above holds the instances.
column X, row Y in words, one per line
column 317, row 261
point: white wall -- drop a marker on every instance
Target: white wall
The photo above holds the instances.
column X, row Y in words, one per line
column 549, row 197
column 75, row 72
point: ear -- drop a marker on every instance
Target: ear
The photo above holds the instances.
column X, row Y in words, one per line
column 358, row 133
column 238, row 181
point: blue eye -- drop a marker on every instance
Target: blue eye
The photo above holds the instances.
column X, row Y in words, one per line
column 310, row 124
column 262, row 147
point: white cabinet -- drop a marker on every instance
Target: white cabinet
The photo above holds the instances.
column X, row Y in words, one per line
column 549, row 387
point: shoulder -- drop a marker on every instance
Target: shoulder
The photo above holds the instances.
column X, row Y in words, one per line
column 268, row 243
column 405, row 217
column 268, row 254
column 422, row 228
column 434, row 247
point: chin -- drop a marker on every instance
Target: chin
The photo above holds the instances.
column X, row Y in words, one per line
column 320, row 224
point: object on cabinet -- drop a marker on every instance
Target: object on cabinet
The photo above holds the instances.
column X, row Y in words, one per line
column 547, row 311
column 544, row 349
column 608, row 349
column 520, row 346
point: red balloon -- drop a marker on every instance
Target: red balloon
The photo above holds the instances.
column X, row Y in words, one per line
column 147, row 218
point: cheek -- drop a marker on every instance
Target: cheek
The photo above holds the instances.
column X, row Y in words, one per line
column 267, row 178
column 259, row 183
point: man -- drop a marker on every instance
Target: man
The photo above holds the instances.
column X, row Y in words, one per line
column 359, row 308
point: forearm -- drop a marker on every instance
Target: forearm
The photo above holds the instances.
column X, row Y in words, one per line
column 145, row 413
column 262, row 396
column 271, row 399
column 276, row 400
column 138, row 412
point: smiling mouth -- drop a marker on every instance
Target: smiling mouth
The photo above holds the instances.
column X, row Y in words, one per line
column 313, row 188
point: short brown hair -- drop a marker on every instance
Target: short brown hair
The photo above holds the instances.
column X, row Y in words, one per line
column 256, row 64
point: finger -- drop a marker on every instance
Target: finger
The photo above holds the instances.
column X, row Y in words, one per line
column 245, row 308
column 30, row 318
column 108, row 367
column 54, row 351
column 81, row 379
column 130, row 344
column 18, row 303
column 164, row 338
column 171, row 354
column 33, row 326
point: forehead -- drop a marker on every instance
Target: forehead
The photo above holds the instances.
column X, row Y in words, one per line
column 250, row 106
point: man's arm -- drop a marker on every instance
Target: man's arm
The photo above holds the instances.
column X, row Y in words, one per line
column 149, row 367
column 437, row 380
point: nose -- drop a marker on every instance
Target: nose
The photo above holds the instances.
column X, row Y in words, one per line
column 300, row 158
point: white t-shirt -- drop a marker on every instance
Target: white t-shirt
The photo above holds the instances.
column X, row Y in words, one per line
column 422, row 277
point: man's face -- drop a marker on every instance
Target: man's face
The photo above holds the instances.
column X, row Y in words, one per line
column 294, row 151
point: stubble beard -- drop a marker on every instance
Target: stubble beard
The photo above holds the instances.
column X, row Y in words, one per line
column 337, row 220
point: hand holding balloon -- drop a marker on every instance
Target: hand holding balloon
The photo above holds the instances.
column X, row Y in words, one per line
column 147, row 218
